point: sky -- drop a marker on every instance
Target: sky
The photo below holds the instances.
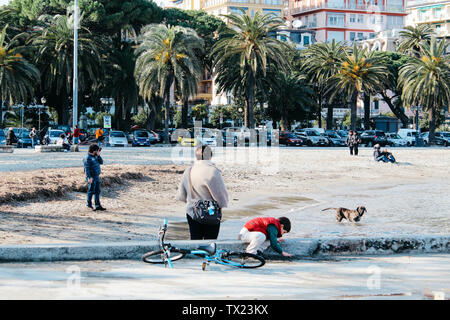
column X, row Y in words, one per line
column 2, row 2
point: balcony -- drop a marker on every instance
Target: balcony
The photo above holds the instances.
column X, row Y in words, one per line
column 346, row 6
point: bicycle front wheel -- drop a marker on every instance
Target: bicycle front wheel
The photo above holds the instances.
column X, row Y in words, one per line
column 243, row 260
column 158, row 256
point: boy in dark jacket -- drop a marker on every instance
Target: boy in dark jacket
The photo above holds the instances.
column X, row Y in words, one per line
column 260, row 232
column 92, row 171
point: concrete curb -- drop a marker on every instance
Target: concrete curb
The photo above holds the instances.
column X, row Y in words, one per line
column 300, row 248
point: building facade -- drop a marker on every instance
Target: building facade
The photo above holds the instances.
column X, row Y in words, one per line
column 433, row 12
column 348, row 20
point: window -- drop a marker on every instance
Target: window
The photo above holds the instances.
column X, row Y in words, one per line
column 371, row 35
column 236, row 10
column 353, row 18
column 437, row 13
column 375, row 105
column 305, row 40
column 360, row 35
column 338, row 36
column 360, row 18
column 273, row 11
column 336, row 20
column 352, row 36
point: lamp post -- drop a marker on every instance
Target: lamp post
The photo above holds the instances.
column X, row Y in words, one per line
column 43, row 101
column 75, row 64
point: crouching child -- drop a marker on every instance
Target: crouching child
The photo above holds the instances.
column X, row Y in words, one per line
column 259, row 233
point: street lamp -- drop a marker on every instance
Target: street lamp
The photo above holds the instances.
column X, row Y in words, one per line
column 43, row 101
column 75, row 64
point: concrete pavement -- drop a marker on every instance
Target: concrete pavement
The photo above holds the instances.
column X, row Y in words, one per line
column 299, row 247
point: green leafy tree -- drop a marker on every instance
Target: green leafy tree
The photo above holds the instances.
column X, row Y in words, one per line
column 411, row 37
column 18, row 76
column 360, row 71
column 167, row 55
column 247, row 44
column 321, row 62
column 54, row 58
column 425, row 81
column 200, row 112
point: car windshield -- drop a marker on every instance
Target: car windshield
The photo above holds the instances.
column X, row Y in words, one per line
column 445, row 134
column 117, row 134
column 290, row 136
column 395, row 136
column 333, row 135
column 54, row 134
column 312, row 133
column 141, row 134
column 380, row 133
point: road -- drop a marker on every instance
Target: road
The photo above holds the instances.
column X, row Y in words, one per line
column 369, row 277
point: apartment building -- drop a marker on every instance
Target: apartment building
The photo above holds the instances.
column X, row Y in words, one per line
column 348, row 20
column 433, row 12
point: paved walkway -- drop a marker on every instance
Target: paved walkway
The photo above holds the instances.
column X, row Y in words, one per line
column 382, row 277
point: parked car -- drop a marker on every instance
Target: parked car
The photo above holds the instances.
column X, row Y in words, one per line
column 142, row 138
column 373, row 137
column 311, row 137
column 446, row 136
column 395, row 140
column 116, row 138
column 409, row 135
column 205, row 137
column 290, row 139
column 53, row 135
column 2, row 137
column 335, row 139
column 437, row 139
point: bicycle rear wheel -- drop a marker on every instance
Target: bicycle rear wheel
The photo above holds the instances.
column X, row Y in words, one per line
column 243, row 260
column 158, row 256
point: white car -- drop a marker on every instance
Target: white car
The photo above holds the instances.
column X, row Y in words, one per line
column 116, row 139
column 395, row 140
column 312, row 137
column 409, row 135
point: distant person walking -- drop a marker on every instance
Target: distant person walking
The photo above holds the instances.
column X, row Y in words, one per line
column 33, row 136
column 11, row 137
column 92, row 171
column 76, row 135
column 99, row 136
column 202, row 184
column 352, row 142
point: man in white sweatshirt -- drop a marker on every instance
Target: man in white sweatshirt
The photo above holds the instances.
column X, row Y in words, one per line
column 207, row 184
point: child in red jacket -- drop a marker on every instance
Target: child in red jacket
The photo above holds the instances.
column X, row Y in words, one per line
column 259, row 233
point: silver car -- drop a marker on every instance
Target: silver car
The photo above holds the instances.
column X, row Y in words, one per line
column 116, row 138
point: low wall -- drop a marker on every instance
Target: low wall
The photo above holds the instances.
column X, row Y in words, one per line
column 300, row 248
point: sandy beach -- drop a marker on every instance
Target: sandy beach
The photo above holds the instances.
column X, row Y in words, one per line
column 48, row 206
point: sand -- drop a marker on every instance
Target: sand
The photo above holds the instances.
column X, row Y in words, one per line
column 296, row 182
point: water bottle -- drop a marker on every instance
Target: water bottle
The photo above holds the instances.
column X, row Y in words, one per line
column 211, row 209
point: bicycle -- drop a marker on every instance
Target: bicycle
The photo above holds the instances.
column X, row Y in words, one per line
column 168, row 254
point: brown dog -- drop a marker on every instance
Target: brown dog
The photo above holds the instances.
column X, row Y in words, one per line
column 350, row 215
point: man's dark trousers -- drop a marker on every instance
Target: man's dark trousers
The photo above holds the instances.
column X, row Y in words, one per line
column 94, row 190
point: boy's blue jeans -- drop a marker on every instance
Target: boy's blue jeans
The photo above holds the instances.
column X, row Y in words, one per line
column 94, row 190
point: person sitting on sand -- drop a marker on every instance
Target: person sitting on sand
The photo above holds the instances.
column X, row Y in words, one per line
column 388, row 156
column 259, row 233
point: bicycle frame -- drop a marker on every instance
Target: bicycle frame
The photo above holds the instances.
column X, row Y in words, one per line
column 166, row 248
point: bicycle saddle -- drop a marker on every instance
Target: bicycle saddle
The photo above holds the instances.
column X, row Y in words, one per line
column 211, row 248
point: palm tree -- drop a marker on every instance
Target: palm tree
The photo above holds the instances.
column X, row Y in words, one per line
column 322, row 61
column 411, row 37
column 425, row 81
column 167, row 55
column 247, row 42
column 360, row 71
column 18, row 76
column 54, row 57
column 121, row 84
column 290, row 95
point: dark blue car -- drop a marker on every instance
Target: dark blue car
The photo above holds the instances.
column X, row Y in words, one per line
column 141, row 138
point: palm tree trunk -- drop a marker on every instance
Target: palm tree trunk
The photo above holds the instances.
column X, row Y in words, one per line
column 366, row 111
column 353, row 102
column 396, row 110
column 330, row 117
column 184, row 113
column 432, row 118
column 249, row 121
column 166, row 117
